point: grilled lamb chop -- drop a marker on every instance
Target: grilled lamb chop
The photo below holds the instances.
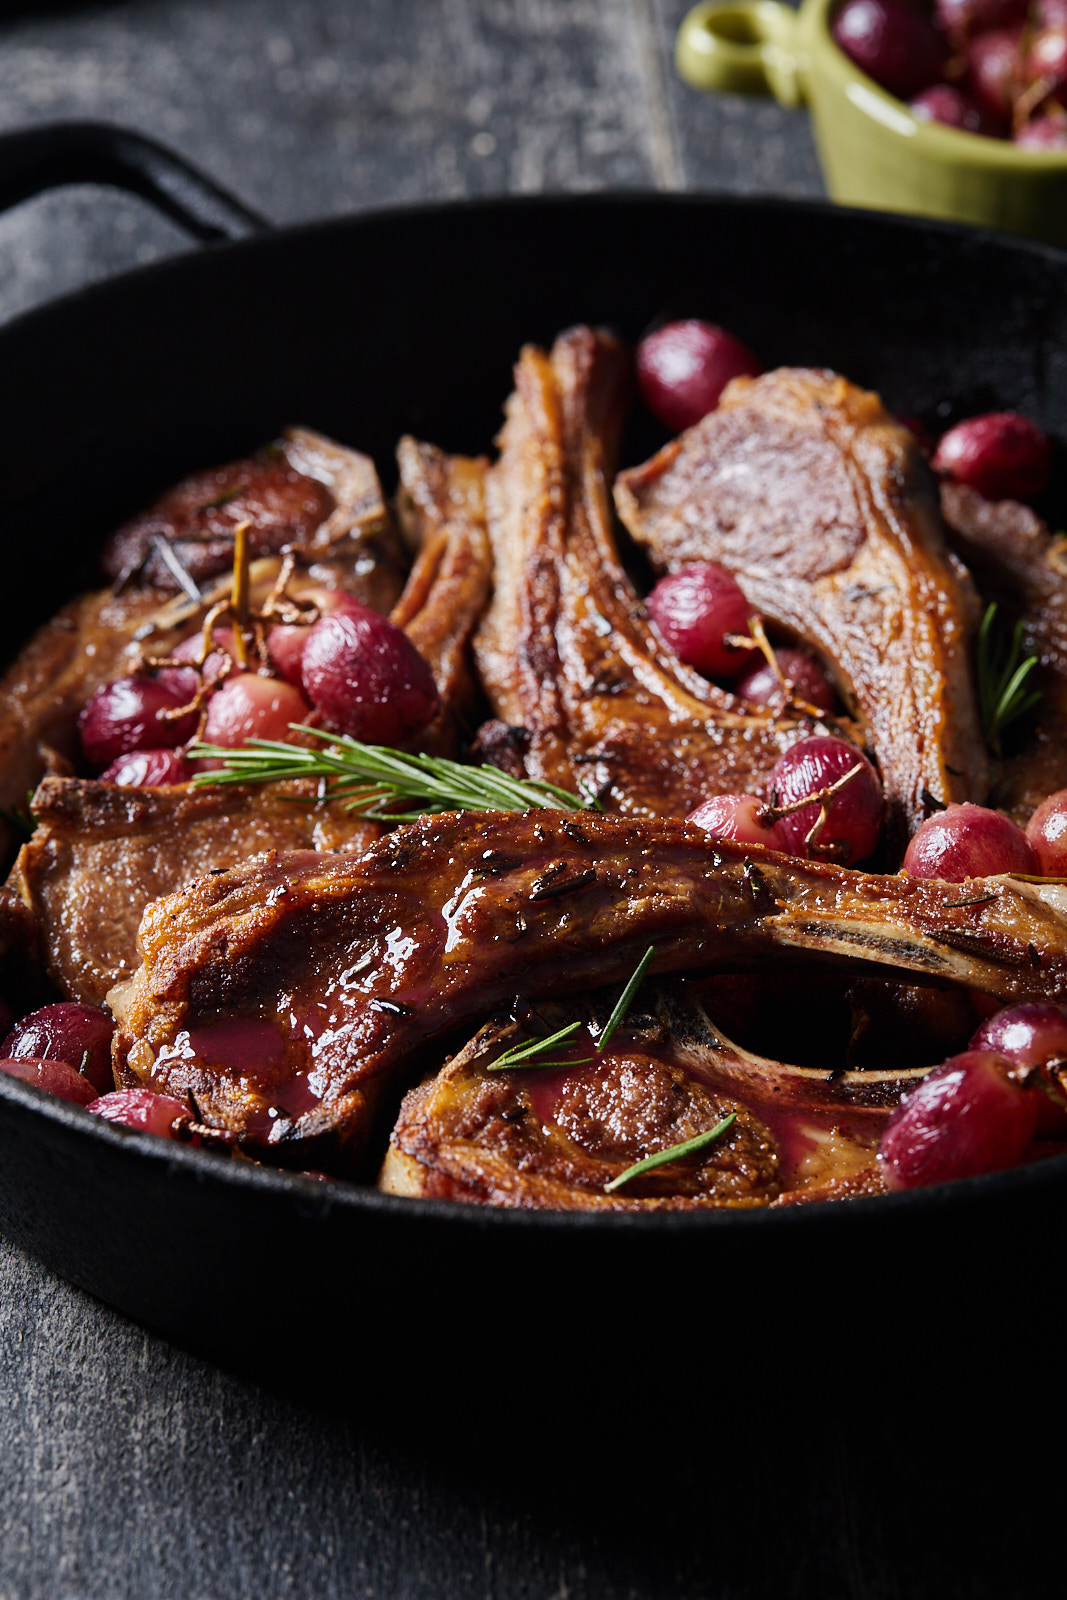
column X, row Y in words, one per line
column 564, row 651
column 554, row 1137
column 289, row 993
column 1020, row 564
column 442, row 511
column 821, row 504
column 302, row 491
column 101, row 853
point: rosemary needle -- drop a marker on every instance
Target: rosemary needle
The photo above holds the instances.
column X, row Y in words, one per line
column 1004, row 678
column 675, row 1153
column 529, row 1054
column 626, row 997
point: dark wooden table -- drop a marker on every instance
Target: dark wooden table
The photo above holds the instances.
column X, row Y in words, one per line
column 130, row 1468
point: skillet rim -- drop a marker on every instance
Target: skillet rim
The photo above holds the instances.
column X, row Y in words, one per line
column 1039, row 1176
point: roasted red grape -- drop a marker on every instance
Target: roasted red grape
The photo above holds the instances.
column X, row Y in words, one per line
column 760, row 685
column 694, row 610
column 854, row 815
column 1047, row 834
column 286, row 640
column 966, row 841
column 55, row 1077
column 183, row 680
column 965, row 1118
column 993, row 68
column 683, row 368
column 250, row 707
column 1033, row 1034
column 892, row 42
column 143, row 1110
column 147, row 769
column 68, row 1031
column 1044, row 133
column 1001, row 455
column 941, row 103
column 365, row 677
column 128, row 715
column 1047, row 58
column 736, row 816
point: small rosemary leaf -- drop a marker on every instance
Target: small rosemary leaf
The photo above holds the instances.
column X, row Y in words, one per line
column 626, row 997
column 523, row 1054
column 674, row 1153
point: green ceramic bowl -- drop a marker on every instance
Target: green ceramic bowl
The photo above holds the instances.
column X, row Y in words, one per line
column 873, row 151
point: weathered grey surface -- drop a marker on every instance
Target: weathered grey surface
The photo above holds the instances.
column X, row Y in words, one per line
column 129, row 1469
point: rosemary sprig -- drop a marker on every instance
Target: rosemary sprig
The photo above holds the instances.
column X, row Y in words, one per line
column 531, row 1054
column 674, row 1153
column 626, row 997
column 371, row 776
column 1004, row 688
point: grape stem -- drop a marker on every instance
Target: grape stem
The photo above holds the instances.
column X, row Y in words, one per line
column 773, row 813
column 759, row 641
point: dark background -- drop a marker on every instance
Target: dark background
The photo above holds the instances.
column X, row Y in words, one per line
column 130, row 1468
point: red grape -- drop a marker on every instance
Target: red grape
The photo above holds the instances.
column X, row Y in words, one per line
column 1047, row 834
column 966, row 1117
column 54, row 1077
column 966, row 841
column 855, row 813
column 147, row 769
column 250, row 707
column 143, row 1110
column 694, row 610
column 760, row 685
column 1001, row 455
column 941, row 103
column 78, row 1034
column 127, row 715
column 683, row 368
column 366, row 678
column 286, row 640
column 1047, row 59
column 993, row 69
column 183, row 680
column 736, row 816
column 959, row 20
column 919, row 433
column 1033, row 1034
column 1050, row 13
column 892, row 42
column 1044, row 133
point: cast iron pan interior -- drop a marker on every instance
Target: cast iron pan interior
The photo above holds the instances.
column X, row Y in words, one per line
column 368, row 327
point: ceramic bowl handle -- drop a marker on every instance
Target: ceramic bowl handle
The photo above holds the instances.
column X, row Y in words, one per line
column 46, row 157
column 743, row 46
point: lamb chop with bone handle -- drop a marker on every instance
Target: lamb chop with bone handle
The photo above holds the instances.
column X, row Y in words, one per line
column 291, row 995
column 565, row 652
column 821, row 505
column 558, row 1137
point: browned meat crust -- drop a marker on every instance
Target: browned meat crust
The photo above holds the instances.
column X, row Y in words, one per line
column 43, row 690
column 565, row 651
column 346, row 966
column 101, row 853
column 442, row 507
column 303, row 491
column 807, row 489
column 1020, row 564
column 555, row 1138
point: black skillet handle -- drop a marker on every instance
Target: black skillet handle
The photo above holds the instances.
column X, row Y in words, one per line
column 57, row 153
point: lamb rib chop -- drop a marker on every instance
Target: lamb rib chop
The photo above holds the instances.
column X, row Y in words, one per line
column 442, row 510
column 555, row 1137
column 564, row 651
column 303, row 491
column 1017, row 562
column 289, row 993
column 821, row 504
column 100, row 853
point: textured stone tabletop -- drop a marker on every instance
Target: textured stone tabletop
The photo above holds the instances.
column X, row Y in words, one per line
column 128, row 1468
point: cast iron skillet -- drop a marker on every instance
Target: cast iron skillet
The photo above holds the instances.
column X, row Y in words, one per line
column 367, row 327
